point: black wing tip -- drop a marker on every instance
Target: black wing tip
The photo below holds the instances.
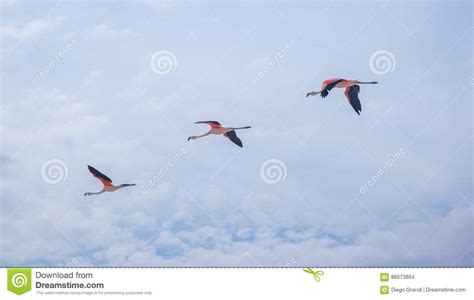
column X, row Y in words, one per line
column 92, row 169
column 232, row 136
column 356, row 109
column 97, row 173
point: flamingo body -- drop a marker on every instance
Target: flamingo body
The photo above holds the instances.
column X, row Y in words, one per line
column 106, row 181
column 218, row 129
column 351, row 91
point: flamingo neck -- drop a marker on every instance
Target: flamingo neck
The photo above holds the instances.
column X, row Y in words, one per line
column 245, row 127
column 97, row 193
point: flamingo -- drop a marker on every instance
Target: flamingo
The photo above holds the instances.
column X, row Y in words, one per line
column 106, row 181
column 351, row 92
column 217, row 128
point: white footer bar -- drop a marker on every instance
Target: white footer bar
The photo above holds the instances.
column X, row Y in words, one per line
column 237, row 283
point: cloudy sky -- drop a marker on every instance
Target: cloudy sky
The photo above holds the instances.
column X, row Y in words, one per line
column 119, row 85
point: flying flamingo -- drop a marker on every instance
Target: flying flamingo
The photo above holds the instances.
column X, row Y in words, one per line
column 351, row 92
column 216, row 128
column 106, row 181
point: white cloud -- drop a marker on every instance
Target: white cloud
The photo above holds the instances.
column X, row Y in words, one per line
column 30, row 30
column 103, row 30
column 91, row 77
column 9, row 2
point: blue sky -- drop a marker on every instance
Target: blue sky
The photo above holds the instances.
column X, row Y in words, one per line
column 79, row 87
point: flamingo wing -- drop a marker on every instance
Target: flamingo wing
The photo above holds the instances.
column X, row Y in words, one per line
column 352, row 94
column 213, row 124
column 328, row 81
column 328, row 85
column 103, row 178
column 231, row 135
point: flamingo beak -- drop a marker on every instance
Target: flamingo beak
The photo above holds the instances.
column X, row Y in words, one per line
column 85, row 194
column 189, row 138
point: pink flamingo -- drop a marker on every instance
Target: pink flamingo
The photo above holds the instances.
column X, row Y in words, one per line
column 217, row 128
column 352, row 90
column 106, row 181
